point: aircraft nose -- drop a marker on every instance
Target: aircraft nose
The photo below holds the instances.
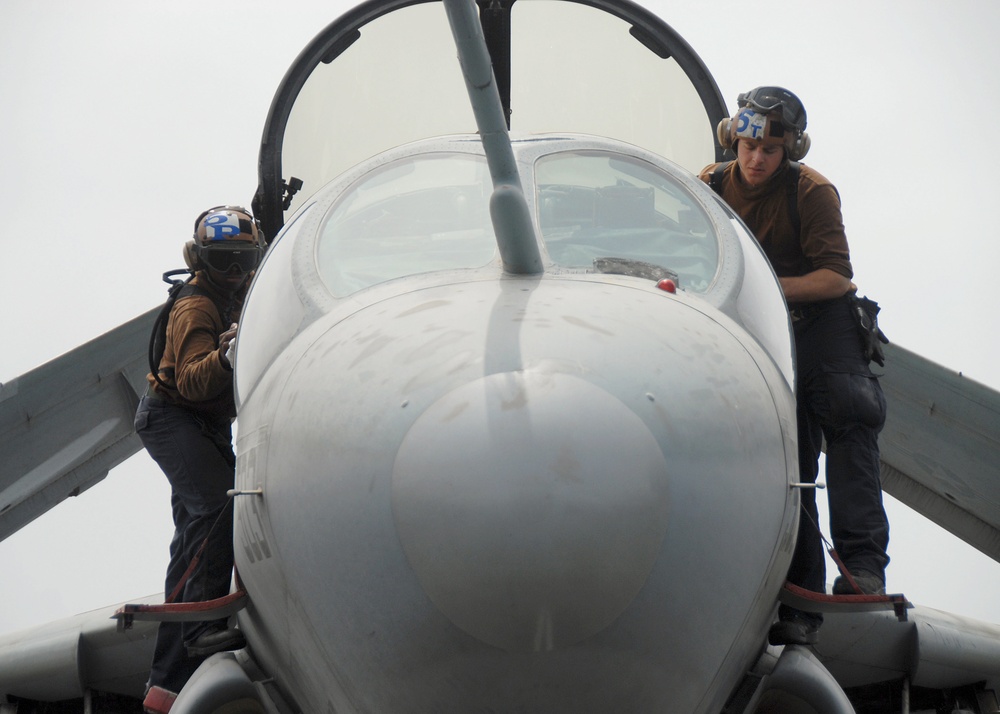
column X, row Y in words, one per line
column 531, row 506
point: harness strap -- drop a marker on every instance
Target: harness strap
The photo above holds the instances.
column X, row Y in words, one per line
column 157, row 342
column 833, row 554
column 197, row 557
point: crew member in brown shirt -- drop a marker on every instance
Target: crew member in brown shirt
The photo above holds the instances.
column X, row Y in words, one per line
column 794, row 212
column 185, row 423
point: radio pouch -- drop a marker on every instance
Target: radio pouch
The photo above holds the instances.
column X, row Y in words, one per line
column 865, row 312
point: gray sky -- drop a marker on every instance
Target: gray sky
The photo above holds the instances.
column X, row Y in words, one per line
column 120, row 121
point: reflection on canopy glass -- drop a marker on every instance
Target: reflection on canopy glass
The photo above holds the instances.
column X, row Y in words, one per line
column 595, row 204
column 415, row 215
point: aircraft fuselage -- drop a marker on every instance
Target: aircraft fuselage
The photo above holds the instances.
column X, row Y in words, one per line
column 567, row 492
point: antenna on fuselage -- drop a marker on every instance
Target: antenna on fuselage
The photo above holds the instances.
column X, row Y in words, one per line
column 509, row 211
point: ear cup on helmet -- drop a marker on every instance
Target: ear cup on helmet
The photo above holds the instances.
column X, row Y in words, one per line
column 723, row 133
column 191, row 258
column 800, row 147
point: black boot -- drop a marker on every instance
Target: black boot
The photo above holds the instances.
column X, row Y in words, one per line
column 870, row 584
column 798, row 628
column 216, row 641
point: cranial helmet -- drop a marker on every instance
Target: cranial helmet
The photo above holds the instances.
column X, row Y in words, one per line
column 225, row 237
column 772, row 115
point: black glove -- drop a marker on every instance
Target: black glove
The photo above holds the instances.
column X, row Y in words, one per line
column 865, row 313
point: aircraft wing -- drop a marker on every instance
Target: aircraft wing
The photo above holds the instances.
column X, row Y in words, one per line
column 69, row 657
column 65, row 424
column 936, row 649
column 941, row 447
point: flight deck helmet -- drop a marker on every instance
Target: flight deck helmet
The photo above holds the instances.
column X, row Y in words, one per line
column 769, row 114
column 225, row 238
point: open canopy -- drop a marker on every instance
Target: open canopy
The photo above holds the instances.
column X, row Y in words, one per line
column 386, row 74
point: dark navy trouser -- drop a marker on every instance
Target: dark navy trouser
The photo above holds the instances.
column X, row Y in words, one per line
column 839, row 399
column 196, row 454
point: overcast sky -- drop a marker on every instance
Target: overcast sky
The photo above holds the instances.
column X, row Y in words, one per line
column 121, row 121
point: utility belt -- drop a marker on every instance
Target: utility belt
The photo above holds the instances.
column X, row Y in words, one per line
column 152, row 397
column 213, row 427
column 803, row 312
column 864, row 313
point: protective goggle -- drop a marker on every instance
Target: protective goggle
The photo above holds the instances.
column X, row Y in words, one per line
column 225, row 258
column 772, row 99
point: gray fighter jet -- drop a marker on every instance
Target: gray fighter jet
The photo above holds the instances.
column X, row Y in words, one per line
column 516, row 418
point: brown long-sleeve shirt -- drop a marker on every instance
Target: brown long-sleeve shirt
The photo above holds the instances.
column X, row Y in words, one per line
column 821, row 243
column 201, row 381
